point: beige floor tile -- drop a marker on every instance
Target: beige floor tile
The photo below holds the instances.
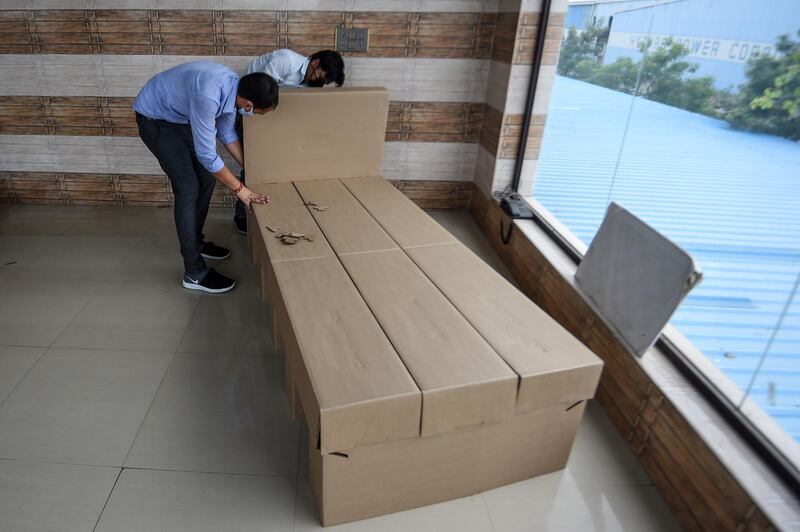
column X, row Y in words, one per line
column 113, row 221
column 46, row 224
column 148, row 501
column 463, row 515
column 239, row 325
column 17, row 252
column 80, row 406
column 556, row 503
column 600, row 455
column 222, row 414
column 70, row 258
column 52, row 497
column 151, row 260
column 148, row 323
column 15, row 362
column 35, row 312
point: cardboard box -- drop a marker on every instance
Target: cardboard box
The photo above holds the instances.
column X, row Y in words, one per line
column 347, row 226
column 554, row 366
column 286, row 212
column 318, row 133
column 463, row 380
column 384, row 478
column 406, row 223
column 354, row 388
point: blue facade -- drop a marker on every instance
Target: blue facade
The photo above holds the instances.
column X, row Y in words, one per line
column 578, row 17
column 721, row 34
column 581, row 15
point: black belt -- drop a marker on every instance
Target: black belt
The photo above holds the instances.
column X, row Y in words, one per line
column 140, row 115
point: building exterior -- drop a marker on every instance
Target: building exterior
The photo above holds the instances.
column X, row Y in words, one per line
column 722, row 35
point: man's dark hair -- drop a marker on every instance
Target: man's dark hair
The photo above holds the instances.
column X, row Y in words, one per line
column 333, row 65
column 259, row 88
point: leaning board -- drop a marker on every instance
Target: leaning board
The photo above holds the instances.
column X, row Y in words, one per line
column 317, row 133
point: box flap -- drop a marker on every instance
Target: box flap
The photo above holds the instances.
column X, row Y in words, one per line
column 554, row 366
column 463, row 381
column 317, row 133
column 344, row 366
column 406, row 223
column 347, row 226
column 287, row 212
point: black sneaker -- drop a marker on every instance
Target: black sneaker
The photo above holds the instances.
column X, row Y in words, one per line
column 214, row 252
column 241, row 225
column 213, row 283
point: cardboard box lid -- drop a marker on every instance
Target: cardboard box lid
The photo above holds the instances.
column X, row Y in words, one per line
column 363, row 392
column 317, row 133
column 347, row 226
column 463, row 380
column 554, row 366
column 406, row 223
column 287, row 212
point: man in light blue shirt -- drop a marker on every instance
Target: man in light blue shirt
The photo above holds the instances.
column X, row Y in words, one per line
column 181, row 113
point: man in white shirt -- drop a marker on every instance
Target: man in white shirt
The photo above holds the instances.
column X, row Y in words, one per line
column 291, row 69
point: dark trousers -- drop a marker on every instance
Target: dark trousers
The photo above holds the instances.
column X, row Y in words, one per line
column 192, row 185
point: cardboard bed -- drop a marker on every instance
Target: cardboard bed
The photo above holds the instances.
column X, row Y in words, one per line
column 423, row 375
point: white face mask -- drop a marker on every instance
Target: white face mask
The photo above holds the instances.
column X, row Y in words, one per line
column 246, row 113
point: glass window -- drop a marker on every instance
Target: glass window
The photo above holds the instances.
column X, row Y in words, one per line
column 687, row 113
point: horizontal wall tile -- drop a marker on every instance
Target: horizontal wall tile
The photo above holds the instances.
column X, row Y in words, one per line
column 429, row 161
column 183, row 29
column 402, row 160
column 408, row 79
column 99, row 116
column 146, row 189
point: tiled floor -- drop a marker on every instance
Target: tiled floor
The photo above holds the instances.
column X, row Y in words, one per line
column 129, row 404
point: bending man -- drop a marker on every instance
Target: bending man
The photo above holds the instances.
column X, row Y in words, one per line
column 180, row 113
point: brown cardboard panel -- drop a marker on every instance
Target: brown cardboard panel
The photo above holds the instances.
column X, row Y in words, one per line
column 554, row 366
column 287, row 212
column 406, row 223
column 317, row 133
column 347, row 226
column 346, row 371
column 389, row 477
column 463, row 381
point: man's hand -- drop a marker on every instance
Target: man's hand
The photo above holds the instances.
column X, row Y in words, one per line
column 249, row 197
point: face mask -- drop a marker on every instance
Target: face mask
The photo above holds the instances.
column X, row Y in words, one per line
column 246, row 113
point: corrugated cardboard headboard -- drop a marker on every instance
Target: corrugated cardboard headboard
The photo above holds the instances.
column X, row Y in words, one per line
column 317, row 133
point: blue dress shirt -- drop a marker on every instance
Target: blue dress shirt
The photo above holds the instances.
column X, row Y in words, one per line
column 201, row 94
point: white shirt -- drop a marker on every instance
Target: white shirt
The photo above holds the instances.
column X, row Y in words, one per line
column 286, row 66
